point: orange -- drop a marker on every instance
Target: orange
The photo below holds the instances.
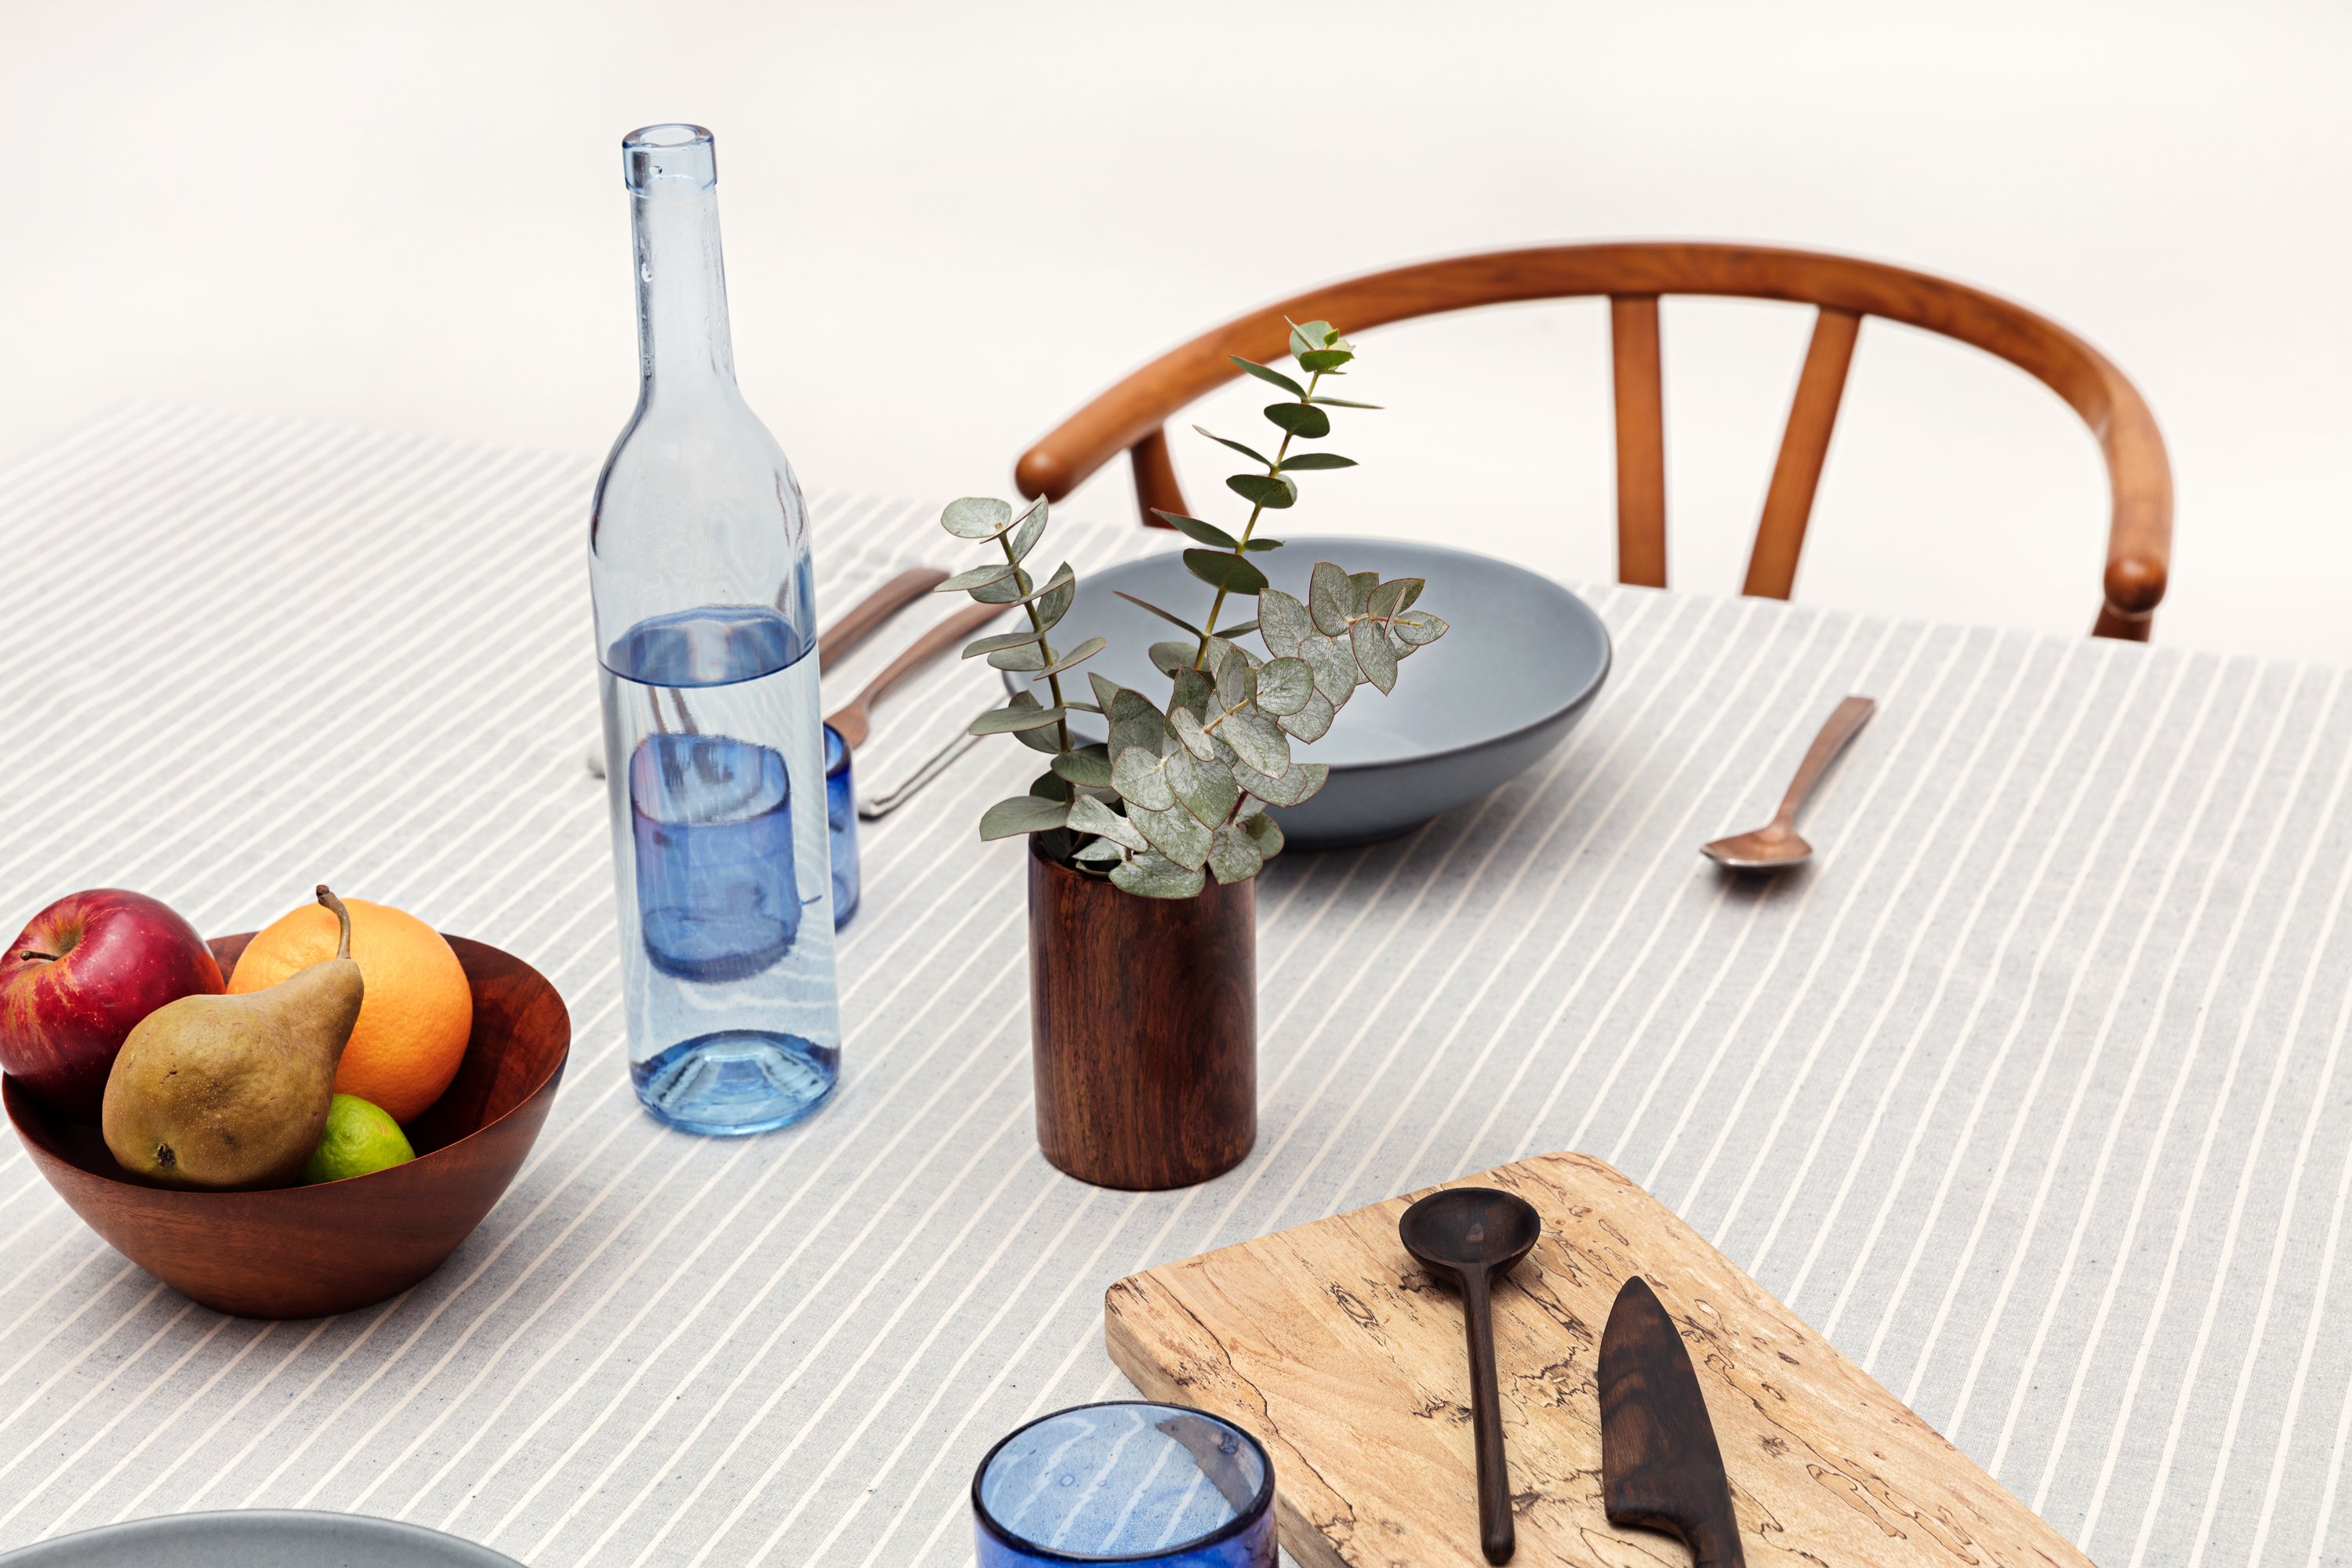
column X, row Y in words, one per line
column 416, row 1013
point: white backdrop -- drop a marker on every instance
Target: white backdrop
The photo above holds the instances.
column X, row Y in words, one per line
column 947, row 225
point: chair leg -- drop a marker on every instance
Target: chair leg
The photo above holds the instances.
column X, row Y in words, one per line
column 2116, row 623
column 1640, row 440
column 1155, row 478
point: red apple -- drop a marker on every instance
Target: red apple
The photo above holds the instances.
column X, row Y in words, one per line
column 83, row 974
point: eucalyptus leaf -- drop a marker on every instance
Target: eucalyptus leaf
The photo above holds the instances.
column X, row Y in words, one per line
column 1076, row 655
column 1321, row 402
column 1265, row 829
column 1033, row 526
column 1141, row 780
column 1254, row 546
column 1312, row 722
column 1288, row 787
column 1194, row 528
column 1000, row 643
column 1265, row 374
column 1151, row 876
column 1106, row 693
column 1088, row 815
column 1322, row 361
column 1023, row 813
column 1239, row 629
column 978, row 577
column 1388, row 598
column 1236, row 681
column 1014, row 717
column 1375, row 655
column 1257, row 738
column 1271, row 491
column 1083, row 768
column 1307, row 337
column 1175, row 833
column 1206, row 789
column 1192, row 692
column 1282, row 622
column 1099, row 850
column 1359, row 592
column 1412, row 588
column 1285, row 685
column 1303, row 420
column 977, row 517
column 1327, row 602
column 1167, row 616
column 1052, row 787
column 1048, row 739
column 1137, row 723
column 1022, row 658
column 1234, row 856
column 1054, row 602
column 1335, row 673
column 1252, row 453
column 1415, row 629
column 1317, row 460
column 1189, row 731
column 1168, row 658
column 1014, row 589
column 1233, row 574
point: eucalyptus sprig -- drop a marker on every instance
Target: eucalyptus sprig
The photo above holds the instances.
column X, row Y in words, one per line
column 1178, row 790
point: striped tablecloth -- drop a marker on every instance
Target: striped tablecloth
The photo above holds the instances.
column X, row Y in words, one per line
column 2027, row 1093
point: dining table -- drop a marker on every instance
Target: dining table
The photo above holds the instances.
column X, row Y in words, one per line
column 2025, row 1092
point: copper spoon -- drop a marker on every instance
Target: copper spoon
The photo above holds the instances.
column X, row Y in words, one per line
column 1473, row 1236
column 855, row 719
column 1776, row 844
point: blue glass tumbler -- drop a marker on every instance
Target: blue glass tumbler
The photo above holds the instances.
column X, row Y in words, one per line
column 841, row 825
column 1128, row 1482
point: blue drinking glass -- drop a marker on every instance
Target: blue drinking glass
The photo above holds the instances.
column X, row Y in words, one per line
column 1128, row 1482
column 841, row 825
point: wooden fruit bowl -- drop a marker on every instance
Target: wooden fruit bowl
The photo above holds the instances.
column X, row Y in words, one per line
column 305, row 1252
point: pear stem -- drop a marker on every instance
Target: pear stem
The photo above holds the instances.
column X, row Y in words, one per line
column 342, row 917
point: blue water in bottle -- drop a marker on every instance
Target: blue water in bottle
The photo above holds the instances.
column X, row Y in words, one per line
column 714, row 747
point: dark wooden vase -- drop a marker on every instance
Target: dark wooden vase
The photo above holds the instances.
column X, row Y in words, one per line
column 1143, row 1028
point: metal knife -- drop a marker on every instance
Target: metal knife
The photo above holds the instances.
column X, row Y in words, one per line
column 1660, row 1466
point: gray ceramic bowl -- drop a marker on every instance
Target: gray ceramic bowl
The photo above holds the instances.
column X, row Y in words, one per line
column 1469, row 713
column 257, row 1538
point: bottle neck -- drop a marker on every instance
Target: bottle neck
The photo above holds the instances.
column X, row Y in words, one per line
column 683, row 344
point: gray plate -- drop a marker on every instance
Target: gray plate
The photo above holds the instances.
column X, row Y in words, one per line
column 1469, row 713
column 257, row 1538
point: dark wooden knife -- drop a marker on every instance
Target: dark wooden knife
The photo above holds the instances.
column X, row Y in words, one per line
column 1660, row 1466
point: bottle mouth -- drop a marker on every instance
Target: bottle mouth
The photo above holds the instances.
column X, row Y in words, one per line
column 662, row 159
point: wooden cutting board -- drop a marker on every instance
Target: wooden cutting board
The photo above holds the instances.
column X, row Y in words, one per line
column 1330, row 1344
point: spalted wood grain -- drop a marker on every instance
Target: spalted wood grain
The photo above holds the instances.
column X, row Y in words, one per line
column 1143, row 1028
column 305, row 1252
column 1328, row 1344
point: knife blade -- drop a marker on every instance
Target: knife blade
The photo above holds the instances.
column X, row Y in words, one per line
column 1660, row 1466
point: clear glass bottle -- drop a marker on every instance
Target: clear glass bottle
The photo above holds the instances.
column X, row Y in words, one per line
column 714, row 742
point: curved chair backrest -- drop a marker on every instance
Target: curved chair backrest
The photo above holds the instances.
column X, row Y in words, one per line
column 1130, row 417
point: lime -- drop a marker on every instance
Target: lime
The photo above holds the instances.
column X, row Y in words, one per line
column 359, row 1138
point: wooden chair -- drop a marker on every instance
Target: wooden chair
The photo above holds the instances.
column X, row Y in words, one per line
column 1131, row 415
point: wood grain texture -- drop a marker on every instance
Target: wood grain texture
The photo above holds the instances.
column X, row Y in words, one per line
column 1804, row 449
column 1143, row 1028
column 1661, row 1468
column 2140, row 475
column 307, row 1252
column 1345, row 1360
column 1638, row 379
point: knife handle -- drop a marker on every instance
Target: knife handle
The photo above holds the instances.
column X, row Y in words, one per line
column 1497, row 1538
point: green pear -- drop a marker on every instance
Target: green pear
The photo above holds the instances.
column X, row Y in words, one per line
column 232, row 1091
